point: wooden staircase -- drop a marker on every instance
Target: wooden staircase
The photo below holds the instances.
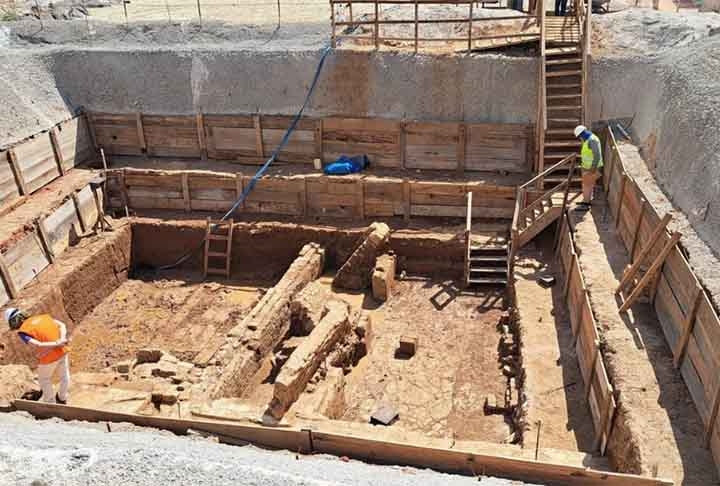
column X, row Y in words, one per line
column 486, row 257
column 218, row 247
column 533, row 216
column 563, row 89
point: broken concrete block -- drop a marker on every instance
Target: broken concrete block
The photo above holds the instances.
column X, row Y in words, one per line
column 148, row 356
column 383, row 277
column 308, row 357
column 384, row 414
column 355, row 273
column 407, row 347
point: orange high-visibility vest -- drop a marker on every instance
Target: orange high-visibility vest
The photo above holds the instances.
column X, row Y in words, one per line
column 43, row 328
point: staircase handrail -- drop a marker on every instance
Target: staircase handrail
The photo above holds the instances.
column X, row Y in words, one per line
column 563, row 162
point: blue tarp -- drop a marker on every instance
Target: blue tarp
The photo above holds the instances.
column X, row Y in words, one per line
column 347, row 165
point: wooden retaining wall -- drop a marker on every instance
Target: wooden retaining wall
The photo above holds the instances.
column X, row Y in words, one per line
column 599, row 391
column 24, row 256
column 30, row 164
column 418, row 451
column 312, row 195
column 250, row 139
column 689, row 321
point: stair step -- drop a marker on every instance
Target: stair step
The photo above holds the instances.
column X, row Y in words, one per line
column 561, row 51
column 489, row 259
column 501, row 249
column 556, row 62
column 558, row 74
column 570, row 121
column 488, row 281
column 564, row 107
column 563, row 144
column 563, row 96
column 488, row 270
column 559, row 131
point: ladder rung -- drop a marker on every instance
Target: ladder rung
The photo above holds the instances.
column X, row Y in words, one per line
column 563, row 96
column 496, row 281
column 217, row 254
column 555, row 62
column 489, row 259
column 564, row 107
column 558, row 74
column 214, row 236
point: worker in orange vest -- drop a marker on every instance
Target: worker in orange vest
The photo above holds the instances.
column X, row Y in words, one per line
column 49, row 337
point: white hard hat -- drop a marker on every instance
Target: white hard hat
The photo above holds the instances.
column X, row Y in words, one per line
column 9, row 312
column 579, row 129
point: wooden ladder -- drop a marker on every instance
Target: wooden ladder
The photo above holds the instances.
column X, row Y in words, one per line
column 563, row 93
column 218, row 233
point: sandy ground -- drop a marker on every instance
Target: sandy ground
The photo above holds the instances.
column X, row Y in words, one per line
column 85, row 454
column 440, row 391
column 657, row 425
column 553, row 384
column 174, row 311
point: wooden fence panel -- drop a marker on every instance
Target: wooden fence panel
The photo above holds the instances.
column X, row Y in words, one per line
column 498, row 147
column 230, row 137
column 377, row 138
column 117, row 134
column 277, row 196
column 60, row 226
column 171, row 136
column 36, row 161
column 432, row 145
column 333, row 197
column 629, row 213
column 383, row 197
column 74, row 142
column 9, row 191
column 302, row 144
column 25, row 259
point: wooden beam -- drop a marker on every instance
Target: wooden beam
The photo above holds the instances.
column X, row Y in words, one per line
column 643, row 207
column 259, row 147
column 654, row 268
column 376, row 30
column 140, row 132
column 688, row 325
column 635, row 267
column 462, row 147
column 44, row 240
column 406, row 199
column 403, row 143
column 319, row 139
column 620, row 201
column 596, row 356
column 12, row 290
column 56, row 149
column 713, row 416
column 573, row 261
column 361, row 197
column 185, row 191
column 81, row 219
column 604, row 419
column 416, row 26
column 239, row 188
column 360, row 444
column 202, row 141
column 17, row 173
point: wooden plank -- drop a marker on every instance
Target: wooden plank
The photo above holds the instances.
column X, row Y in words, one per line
column 713, row 417
column 632, row 271
column 623, row 181
column 25, row 259
column 56, row 148
column 406, row 200
column 497, row 147
column 140, row 131
column 638, row 225
column 9, row 188
column 202, row 142
column 259, row 147
column 176, row 136
column 377, row 138
column 35, row 159
column 62, row 226
column 44, row 240
column 186, row 191
column 7, row 279
column 462, row 143
column 654, row 268
column 361, row 197
column 359, row 445
column 319, row 139
column 432, row 145
column 75, row 142
column 687, row 326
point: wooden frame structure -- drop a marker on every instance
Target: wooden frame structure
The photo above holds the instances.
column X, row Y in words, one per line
column 527, row 32
column 688, row 318
column 421, row 452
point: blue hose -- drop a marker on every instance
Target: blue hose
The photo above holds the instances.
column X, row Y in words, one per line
column 268, row 162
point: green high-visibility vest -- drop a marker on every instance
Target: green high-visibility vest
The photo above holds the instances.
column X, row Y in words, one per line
column 586, row 154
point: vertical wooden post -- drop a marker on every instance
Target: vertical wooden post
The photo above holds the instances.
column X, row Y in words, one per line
column 620, row 201
column 638, row 225
column 333, row 35
column 202, row 141
column 403, row 143
column 361, row 197
column 185, row 191
column 239, row 188
column 417, row 9
column 56, row 149
column 593, row 363
column 83, row 224
column 319, row 139
column 7, row 278
column 44, row 240
column 688, row 326
column 713, row 416
column 124, row 193
column 406, row 199
column 258, row 136
column 305, row 196
column 377, row 25
column 140, row 132
column 17, row 173
column 470, row 27
column 566, row 288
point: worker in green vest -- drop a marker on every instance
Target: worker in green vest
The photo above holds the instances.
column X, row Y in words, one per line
column 591, row 161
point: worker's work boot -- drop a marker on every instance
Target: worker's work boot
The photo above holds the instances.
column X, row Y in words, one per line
column 61, row 402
